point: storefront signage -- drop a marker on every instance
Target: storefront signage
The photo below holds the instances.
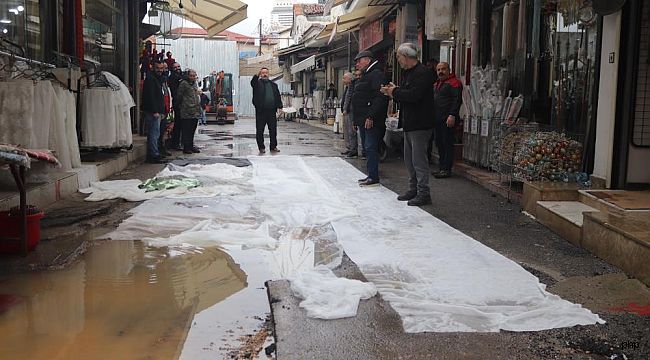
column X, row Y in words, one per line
column 474, row 126
column 370, row 34
column 485, row 127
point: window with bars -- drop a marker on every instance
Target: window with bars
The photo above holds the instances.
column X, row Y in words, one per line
column 641, row 129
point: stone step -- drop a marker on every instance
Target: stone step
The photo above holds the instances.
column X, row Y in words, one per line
column 591, row 198
column 621, row 240
column 564, row 217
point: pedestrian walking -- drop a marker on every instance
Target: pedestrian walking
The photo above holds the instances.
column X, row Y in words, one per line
column 153, row 106
column 351, row 140
column 370, row 107
column 204, row 104
column 268, row 103
column 174, row 81
column 190, row 103
column 415, row 95
column 447, row 100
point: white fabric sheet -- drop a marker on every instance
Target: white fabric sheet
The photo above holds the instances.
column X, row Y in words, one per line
column 43, row 100
column 16, row 112
column 435, row 277
column 58, row 133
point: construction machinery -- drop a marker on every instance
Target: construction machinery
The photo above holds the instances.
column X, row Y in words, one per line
column 220, row 107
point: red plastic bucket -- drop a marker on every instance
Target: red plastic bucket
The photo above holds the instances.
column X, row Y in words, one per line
column 10, row 228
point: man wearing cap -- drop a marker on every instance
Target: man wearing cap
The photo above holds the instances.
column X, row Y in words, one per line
column 370, row 107
column 415, row 95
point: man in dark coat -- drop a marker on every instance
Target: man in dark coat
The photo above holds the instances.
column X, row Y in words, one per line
column 153, row 106
column 415, row 95
column 267, row 102
column 370, row 107
column 174, row 81
column 448, row 96
column 351, row 140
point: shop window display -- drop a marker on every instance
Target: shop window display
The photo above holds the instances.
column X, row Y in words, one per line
column 101, row 24
column 20, row 24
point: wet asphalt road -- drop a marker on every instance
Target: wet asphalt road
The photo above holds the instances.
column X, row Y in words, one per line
column 376, row 332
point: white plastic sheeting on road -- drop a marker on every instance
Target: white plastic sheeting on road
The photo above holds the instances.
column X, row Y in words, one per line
column 327, row 296
column 435, row 277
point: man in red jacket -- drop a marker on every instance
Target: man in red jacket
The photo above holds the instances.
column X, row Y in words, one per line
column 447, row 98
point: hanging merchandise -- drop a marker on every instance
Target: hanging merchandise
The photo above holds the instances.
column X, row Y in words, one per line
column 438, row 21
column 16, row 112
column 105, row 113
column 548, row 156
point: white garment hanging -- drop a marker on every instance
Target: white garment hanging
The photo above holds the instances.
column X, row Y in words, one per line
column 71, row 129
column 58, row 140
column 16, row 112
column 43, row 98
column 99, row 126
column 124, row 102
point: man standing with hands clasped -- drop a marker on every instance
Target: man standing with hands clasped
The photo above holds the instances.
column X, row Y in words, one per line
column 448, row 96
column 268, row 103
column 415, row 95
column 369, row 108
column 153, row 106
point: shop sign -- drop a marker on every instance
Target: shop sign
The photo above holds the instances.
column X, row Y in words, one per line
column 370, row 34
column 485, row 126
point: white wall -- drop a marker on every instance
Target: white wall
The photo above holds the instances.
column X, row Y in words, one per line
column 607, row 98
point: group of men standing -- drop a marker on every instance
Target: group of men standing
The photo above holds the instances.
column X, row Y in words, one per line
column 427, row 106
column 165, row 91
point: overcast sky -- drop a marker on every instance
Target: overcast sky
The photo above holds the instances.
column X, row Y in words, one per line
column 257, row 9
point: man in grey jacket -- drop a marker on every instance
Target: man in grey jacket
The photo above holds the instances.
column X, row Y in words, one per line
column 351, row 141
column 190, row 106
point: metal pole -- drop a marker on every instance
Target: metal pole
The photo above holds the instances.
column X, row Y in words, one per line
column 349, row 48
column 259, row 51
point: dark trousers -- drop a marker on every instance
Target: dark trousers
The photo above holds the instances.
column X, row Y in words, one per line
column 263, row 118
column 176, row 132
column 445, row 144
column 372, row 139
column 161, row 139
column 188, row 129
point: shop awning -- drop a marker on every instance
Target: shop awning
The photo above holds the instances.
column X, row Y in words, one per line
column 290, row 49
column 339, row 2
column 352, row 21
column 304, row 65
column 214, row 16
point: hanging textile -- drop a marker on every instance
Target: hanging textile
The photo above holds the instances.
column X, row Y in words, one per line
column 16, row 112
column 71, row 128
column 99, row 125
column 124, row 104
column 42, row 100
column 521, row 26
column 438, row 20
column 58, row 133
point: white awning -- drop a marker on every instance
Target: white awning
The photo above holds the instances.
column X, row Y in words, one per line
column 304, row 65
column 214, row 16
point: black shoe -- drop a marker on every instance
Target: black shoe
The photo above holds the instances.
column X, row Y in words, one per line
column 420, row 200
column 442, row 174
column 363, row 180
column 407, row 196
column 369, row 183
column 155, row 161
column 196, row 150
column 364, row 157
column 275, row 150
column 188, row 152
column 262, row 151
column 345, row 152
column 352, row 155
column 166, row 153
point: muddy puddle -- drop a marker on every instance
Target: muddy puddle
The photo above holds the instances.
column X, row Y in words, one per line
column 124, row 300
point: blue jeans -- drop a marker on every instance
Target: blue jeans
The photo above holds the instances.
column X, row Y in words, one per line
column 203, row 120
column 371, row 146
column 153, row 133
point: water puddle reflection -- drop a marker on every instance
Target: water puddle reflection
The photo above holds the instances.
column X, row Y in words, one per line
column 124, row 300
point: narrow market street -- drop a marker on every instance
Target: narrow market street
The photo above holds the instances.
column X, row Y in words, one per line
column 178, row 295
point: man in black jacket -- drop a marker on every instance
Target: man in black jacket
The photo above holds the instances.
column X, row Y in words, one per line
column 370, row 107
column 447, row 100
column 267, row 102
column 415, row 96
column 153, row 106
column 173, row 82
